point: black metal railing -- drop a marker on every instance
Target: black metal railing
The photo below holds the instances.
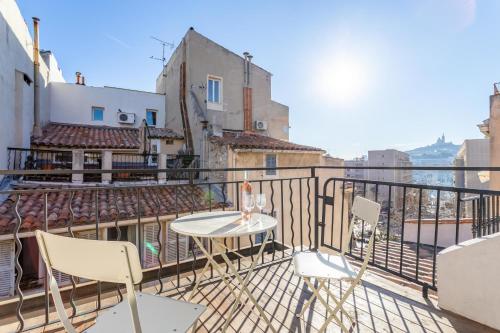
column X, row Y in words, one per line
column 183, row 161
column 412, row 218
column 141, row 214
column 135, row 161
column 40, row 159
column 44, row 159
column 312, row 205
column 92, row 160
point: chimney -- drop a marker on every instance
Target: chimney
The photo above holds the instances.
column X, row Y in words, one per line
column 37, row 130
column 247, row 93
column 78, row 78
column 83, row 80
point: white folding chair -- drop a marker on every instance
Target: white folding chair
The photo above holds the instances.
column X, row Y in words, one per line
column 327, row 267
column 116, row 262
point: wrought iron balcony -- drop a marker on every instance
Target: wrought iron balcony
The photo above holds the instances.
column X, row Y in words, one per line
column 312, row 205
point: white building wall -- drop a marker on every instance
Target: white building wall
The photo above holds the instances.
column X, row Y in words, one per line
column 16, row 96
column 72, row 103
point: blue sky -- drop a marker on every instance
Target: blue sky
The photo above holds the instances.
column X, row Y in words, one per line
column 357, row 75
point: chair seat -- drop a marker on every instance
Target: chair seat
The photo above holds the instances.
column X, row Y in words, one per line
column 156, row 314
column 323, row 265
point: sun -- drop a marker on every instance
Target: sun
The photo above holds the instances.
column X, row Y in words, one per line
column 341, row 80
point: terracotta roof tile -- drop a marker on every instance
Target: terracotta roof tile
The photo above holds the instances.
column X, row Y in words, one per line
column 31, row 206
column 250, row 140
column 96, row 137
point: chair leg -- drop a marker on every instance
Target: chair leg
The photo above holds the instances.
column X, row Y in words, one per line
column 326, row 305
column 338, row 308
column 309, row 301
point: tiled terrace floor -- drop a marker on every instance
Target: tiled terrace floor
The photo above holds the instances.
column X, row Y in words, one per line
column 378, row 304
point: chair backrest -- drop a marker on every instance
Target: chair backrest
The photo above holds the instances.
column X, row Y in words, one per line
column 369, row 212
column 116, row 262
column 91, row 259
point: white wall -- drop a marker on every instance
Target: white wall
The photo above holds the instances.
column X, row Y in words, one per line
column 72, row 103
column 16, row 97
column 467, row 279
column 446, row 232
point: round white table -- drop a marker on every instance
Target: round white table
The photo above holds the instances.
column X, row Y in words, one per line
column 217, row 226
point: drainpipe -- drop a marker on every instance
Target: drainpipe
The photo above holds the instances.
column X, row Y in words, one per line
column 37, row 130
column 204, row 147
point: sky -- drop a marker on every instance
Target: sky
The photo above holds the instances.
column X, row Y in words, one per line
column 357, row 75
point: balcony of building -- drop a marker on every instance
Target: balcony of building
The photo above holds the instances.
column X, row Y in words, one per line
column 399, row 292
column 33, row 159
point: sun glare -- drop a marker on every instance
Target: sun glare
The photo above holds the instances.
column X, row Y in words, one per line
column 341, row 80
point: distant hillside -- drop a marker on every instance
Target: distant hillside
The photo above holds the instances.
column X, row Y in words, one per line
column 438, row 153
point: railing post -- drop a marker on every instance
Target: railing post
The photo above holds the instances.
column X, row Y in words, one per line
column 162, row 164
column 316, row 208
column 107, row 164
column 78, row 159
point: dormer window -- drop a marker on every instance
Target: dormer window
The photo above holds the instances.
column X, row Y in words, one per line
column 214, row 92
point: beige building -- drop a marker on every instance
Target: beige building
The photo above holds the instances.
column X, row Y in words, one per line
column 491, row 129
column 389, row 158
column 209, row 88
column 287, row 194
column 472, row 153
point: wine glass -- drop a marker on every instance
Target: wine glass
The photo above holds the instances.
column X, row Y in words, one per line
column 248, row 203
column 260, row 200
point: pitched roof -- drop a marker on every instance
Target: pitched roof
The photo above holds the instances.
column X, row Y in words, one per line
column 250, row 140
column 95, row 137
column 113, row 203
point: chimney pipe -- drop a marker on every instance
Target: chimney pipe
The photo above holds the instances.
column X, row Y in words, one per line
column 247, row 94
column 83, row 80
column 37, row 130
column 249, row 63
column 78, row 76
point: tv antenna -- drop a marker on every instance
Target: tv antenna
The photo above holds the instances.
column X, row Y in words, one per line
column 163, row 45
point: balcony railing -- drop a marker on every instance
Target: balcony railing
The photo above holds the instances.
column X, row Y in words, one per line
column 43, row 159
column 312, row 205
column 40, row 159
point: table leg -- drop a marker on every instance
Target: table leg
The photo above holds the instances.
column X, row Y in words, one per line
column 202, row 275
column 243, row 283
column 217, row 267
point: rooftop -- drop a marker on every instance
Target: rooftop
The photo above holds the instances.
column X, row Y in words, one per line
column 251, row 140
column 114, row 204
column 58, row 135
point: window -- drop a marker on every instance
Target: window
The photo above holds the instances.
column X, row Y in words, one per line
column 151, row 117
column 97, row 113
column 214, row 92
column 271, row 161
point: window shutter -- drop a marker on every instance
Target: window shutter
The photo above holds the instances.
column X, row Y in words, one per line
column 172, row 246
column 151, row 245
column 86, row 235
column 91, row 235
column 61, row 278
column 7, row 268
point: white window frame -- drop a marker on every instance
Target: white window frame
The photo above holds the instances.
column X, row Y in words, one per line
column 265, row 166
column 92, row 109
column 212, row 105
column 156, row 116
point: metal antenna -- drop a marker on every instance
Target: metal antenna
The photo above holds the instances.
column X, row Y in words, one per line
column 163, row 44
